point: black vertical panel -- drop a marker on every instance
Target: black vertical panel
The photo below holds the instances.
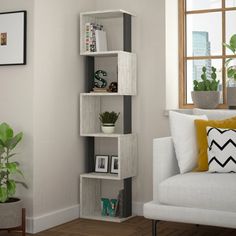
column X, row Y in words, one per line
column 89, row 73
column 127, row 111
column 127, row 201
column 90, row 160
column 89, row 84
column 127, row 32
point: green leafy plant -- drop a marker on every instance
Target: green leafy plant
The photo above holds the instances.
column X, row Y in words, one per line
column 108, row 117
column 207, row 84
column 8, row 167
column 231, row 69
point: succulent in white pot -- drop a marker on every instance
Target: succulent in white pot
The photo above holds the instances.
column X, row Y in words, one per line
column 108, row 120
column 10, row 206
column 206, row 94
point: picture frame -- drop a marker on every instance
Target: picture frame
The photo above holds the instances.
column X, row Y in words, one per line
column 13, row 38
column 101, row 163
column 114, row 165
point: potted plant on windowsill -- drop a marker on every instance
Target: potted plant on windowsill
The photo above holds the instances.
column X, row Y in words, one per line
column 206, row 94
column 10, row 207
column 108, row 120
column 231, row 73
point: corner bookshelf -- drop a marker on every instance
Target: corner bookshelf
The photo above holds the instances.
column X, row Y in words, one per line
column 120, row 64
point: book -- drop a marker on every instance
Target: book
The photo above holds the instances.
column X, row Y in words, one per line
column 90, row 37
column 101, row 40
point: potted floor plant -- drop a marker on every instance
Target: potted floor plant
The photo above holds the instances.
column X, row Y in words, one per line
column 10, row 207
column 206, row 94
column 231, row 73
column 108, row 120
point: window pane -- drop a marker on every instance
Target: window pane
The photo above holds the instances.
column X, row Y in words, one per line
column 230, row 3
column 194, row 71
column 230, row 27
column 202, row 4
column 203, row 38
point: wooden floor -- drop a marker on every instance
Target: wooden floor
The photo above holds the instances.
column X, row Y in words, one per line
column 137, row 226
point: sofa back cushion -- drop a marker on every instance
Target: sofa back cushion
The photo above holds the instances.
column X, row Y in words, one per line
column 184, row 138
column 215, row 114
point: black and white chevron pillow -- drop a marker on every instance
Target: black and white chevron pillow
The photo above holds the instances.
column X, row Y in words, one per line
column 221, row 149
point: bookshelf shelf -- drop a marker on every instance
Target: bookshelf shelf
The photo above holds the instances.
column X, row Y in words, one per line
column 121, row 66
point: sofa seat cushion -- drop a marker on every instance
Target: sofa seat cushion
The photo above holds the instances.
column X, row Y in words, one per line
column 215, row 191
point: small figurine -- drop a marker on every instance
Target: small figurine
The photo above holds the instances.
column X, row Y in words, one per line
column 99, row 82
column 113, row 87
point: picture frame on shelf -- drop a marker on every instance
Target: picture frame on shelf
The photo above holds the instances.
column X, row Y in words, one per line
column 114, row 165
column 13, row 38
column 101, row 163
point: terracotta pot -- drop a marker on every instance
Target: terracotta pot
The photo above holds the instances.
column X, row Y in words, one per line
column 11, row 213
column 206, row 99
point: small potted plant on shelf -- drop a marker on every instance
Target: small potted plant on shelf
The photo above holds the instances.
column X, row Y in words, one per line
column 231, row 72
column 206, row 94
column 108, row 120
column 10, row 207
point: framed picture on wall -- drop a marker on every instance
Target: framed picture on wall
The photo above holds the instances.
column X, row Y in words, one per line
column 101, row 163
column 114, row 164
column 13, row 38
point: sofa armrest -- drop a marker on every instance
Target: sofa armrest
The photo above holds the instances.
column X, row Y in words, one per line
column 164, row 162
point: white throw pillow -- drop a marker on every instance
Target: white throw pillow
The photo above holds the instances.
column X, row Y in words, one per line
column 184, row 137
column 221, row 149
column 215, row 114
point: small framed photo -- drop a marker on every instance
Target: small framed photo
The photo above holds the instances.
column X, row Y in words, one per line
column 101, row 163
column 13, row 38
column 114, row 164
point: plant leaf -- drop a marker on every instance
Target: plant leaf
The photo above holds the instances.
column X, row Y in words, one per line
column 11, row 143
column 6, row 132
column 3, row 194
column 231, row 48
column 233, row 42
column 11, row 187
column 22, row 183
column 231, row 72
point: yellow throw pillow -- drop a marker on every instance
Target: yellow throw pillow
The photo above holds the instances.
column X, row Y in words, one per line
column 202, row 138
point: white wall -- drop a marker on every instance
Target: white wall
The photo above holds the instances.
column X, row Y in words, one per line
column 149, row 104
column 42, row 100
column 172, row 54
column 58, row 81
column 16, row 99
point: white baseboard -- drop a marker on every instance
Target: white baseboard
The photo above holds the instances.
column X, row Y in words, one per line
column 137, row 208
column 52, row 219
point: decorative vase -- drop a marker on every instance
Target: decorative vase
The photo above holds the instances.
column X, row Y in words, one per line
column 206, row 99
column 108, row 128
column 11, row 213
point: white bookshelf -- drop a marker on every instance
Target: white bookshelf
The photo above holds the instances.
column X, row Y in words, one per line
column 121, row 67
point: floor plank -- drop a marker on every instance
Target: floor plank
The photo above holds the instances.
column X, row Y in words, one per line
column 137, row 226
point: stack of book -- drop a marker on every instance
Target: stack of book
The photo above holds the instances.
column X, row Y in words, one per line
column 90, row 36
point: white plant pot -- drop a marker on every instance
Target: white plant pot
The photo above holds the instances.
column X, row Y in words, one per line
column 11, row 214
column 108, row 128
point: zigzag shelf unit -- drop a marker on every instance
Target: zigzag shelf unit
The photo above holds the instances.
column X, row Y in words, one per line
column 120, row 64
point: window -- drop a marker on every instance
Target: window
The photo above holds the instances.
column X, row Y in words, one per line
column 203, row 27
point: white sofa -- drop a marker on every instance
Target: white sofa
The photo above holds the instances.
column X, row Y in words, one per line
column 196, row 197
